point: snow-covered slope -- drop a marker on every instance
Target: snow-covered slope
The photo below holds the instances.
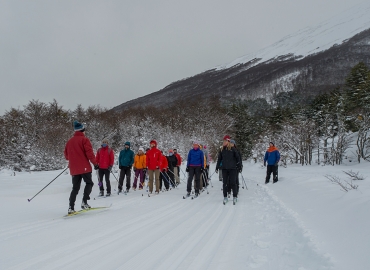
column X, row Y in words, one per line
column 314, row 39
column 302, row 222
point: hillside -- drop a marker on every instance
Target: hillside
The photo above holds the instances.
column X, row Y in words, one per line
column 313, row 60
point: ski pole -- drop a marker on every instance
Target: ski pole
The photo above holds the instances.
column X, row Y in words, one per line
column 204, row 181
column 170, row 180
column 244, row 181
column 97, row 176
column 48, row 184
column 169, row 184
column 183, row 172
column 174, row 174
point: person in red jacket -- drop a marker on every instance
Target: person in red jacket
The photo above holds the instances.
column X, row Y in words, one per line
column 79, row 153
column 163, row 167
column 176, row 170
column 153, row 160
column 105, row 159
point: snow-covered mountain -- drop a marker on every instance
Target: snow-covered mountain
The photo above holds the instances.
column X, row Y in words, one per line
column 315, row 39
column 313, row 60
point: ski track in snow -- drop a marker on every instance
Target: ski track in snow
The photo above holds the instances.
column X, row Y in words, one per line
column 164, row 232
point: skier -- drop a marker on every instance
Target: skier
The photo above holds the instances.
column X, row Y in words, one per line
column 206, row 154
column 233, row 144
column 230, row 166
column 172, row 163
column 163, row 167
column 176, row 170
column 272, row 156
column 139, row 168
column 125, row 159
column 78, row 151
column 194, row 167
column 153, row 160
column 220, row 174
column 105, row 159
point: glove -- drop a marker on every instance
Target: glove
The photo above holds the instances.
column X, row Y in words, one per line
column 277, row 163
column 110, row 168
column 264, row 163
column 134, row 169
column 164, row 170
column 201, row 169
column 130, row 167
column 240, row 169
column 96, row 166
column 120, row 167
column 157, row 167
column 216, row 170
column 144, row 170
column 187, row 169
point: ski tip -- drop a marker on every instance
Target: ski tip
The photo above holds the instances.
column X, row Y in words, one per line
column 142, row 194
column 28, row 200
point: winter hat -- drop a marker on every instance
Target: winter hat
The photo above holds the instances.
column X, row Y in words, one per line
column 170, row 151
column 128, row 143
column 226, row 138
column 105, row 141
column 141, row 149
column 196, row 142
column 153, row 141
column 232, row 141
column 272, row 143
column 77, row 126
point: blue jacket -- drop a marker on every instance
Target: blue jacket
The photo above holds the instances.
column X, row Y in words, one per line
column 126, row 158
column 272, row 156
column 195, row 158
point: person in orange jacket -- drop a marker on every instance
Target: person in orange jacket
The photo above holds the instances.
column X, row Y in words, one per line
column 139, row 168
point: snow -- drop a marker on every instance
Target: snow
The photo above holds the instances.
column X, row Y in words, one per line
column 302, row 222
column 315, row 39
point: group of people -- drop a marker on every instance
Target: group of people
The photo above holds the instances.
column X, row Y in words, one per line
column 161, row 169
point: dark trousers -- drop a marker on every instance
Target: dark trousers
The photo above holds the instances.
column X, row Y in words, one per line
column 76, row 182
column 274, row 170
column 237, row 184
column 104, row 173
column 163, row 178
column 207, row 171
column 194, row 171
column 125, row 171
column 229, row 180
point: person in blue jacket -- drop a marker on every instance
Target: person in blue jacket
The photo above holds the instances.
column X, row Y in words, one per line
column 195, row 166
column 125, row 159
column 272, row 157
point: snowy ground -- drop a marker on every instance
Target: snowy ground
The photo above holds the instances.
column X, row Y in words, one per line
column 302, row 222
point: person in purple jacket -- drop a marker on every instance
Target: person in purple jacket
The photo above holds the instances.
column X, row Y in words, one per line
column 195, row 166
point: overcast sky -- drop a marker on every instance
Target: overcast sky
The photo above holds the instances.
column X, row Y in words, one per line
column 108, row 52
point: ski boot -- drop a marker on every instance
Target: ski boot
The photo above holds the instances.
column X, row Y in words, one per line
column 229, row 195
column 235, row 199
column 108, row 194
column 196, row 195
column 225, row 200
column 119, row 191
column 71, row 210
column 140, row 188
column 101, row 193
column 134, row 188
column 85, row 206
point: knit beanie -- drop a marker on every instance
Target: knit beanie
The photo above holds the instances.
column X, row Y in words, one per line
column 128, row 143
column 141, row 149
column 77, row 126
column 226, row 138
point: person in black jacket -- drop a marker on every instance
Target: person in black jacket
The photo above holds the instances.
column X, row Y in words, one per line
column 233, row 144
column 172, row 163
column 230, row 166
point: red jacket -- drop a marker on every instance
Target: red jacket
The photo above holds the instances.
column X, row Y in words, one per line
column 153, row 158
column 178, row 159
column 105, row 157
column 79, row 152
column 164, row 163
